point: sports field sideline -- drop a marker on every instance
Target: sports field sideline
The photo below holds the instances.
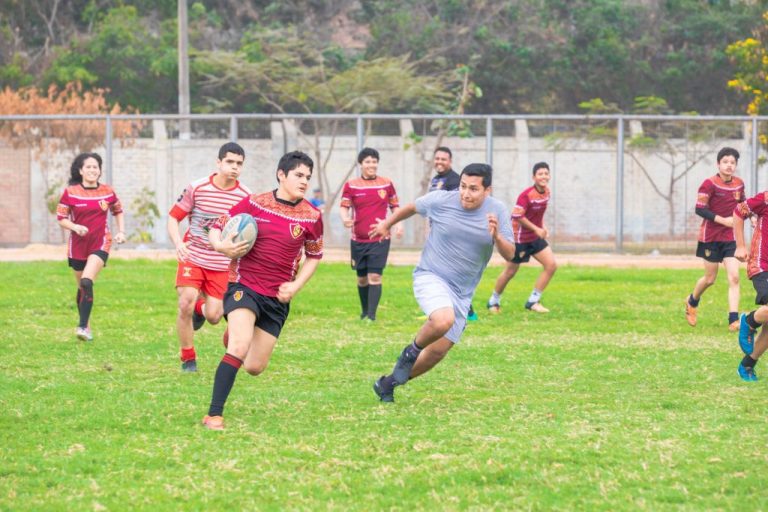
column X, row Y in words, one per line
column 53, row 252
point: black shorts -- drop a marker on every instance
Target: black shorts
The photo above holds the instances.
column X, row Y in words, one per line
column 715, row 252
column 760, row 283
column 271, row 314
column 369, row 258
column 523, row 252
column 79, row 265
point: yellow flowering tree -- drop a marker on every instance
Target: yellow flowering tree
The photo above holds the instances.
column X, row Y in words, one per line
column 750, row 57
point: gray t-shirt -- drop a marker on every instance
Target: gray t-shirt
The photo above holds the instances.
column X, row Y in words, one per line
column 459, row 245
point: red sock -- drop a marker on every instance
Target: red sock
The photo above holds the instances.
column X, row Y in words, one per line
column 199, row 306
column 188, row 354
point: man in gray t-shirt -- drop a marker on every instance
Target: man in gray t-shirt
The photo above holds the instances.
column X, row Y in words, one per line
column 465, row 226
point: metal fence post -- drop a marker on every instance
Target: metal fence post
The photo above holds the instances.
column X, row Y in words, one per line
column 233, row 129
column 755, row 155
column 489, row 141
column 620, row 184
column 360, row 133
column 108, row 148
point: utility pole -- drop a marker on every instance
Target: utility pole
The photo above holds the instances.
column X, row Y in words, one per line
column 184, row 125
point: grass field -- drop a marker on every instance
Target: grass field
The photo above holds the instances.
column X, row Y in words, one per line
column 611, row 402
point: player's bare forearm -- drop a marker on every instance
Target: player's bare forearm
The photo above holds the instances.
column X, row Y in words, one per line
column 346, row 216
column 288, row 291
column 400, row 214
column 738, row 235
column 505, row 247
column 725, row 221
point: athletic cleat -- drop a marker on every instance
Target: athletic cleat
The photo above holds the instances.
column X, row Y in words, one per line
column 384, row 394
column 746, row 336
column 225, row 338
column 471, row 315
column 536, row 306
column 84, row 333
column 197, row 320
column 213, row 422
column 494, row 308
column 189, row 366
column 690, row 313
column 747, row 374
column 402, row 370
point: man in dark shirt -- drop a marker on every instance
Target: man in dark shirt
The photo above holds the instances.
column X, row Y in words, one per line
column 446, row 178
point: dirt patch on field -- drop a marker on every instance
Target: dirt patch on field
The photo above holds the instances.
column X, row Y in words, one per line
column 46, row 252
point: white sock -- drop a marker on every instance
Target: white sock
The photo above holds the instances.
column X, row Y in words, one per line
column 495, row 299
column 535, row 296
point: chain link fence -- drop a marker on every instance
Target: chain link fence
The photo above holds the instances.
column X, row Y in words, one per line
column 619, row 183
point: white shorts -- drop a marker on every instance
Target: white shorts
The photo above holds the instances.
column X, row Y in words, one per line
column 432, row 293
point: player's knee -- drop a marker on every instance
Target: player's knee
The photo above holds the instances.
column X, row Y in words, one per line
column 86, row 284
column 255, row 369
column 551, row 268
column 709, row 281
column 186, row 306
column 442, row 320
column 733, row 281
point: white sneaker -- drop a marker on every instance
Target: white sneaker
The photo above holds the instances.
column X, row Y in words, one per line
column 537, row 307
column 84, row 333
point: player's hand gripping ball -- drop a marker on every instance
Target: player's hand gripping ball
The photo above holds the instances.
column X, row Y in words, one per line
column 245, row 227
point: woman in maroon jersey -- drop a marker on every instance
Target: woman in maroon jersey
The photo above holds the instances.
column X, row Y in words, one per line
column 83, row 209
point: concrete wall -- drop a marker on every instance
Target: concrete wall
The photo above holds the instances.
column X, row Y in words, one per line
column 582, row 210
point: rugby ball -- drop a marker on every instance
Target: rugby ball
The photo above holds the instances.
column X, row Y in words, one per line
column 245, row 227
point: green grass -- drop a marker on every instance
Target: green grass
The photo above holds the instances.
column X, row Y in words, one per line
column 610, row 402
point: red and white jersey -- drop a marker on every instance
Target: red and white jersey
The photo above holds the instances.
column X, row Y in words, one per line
column 720, row 198
column 369, row 200
column 204, row 203
column 89, row 207
column 757, row 261
column 286, row 231
column 531, row 204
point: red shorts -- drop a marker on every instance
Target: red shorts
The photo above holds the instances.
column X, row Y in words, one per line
column 213, row 283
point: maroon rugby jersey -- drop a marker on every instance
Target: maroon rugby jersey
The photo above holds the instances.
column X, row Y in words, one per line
column 531, row 204
column 721, row 198
column 88, row 207
column 369, row 199
column 757, row 261
column 285, row 232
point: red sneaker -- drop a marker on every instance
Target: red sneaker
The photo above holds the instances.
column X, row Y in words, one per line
column 213, row 422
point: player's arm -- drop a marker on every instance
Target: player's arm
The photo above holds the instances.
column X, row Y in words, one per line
column 399, row 228
column 382, row 226
column 738, row 234
column 540, row 232
column 708, row 214
column 504, row 246
column 120, row 235
column 78, row 229
column 227, row 246
column 173, row 233
column 289, row 289
column 346, row 216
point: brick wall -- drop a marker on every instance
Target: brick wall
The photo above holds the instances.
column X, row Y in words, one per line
column 14, row 196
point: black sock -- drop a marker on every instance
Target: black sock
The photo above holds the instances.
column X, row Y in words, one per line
column 362, row 291
column 693, row 302
column 733, row 316
column 748, row 362
column 79, row 296
column 86, row 301
column 754, row 324
column 374, row 295
column 223, row 382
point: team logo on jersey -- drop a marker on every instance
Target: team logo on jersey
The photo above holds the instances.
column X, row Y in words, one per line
column 186, row 272
column 238, row 295
column 737, row 194
column 707, row 253
column 104, row 205
column 382, row 193
column 296, row 230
